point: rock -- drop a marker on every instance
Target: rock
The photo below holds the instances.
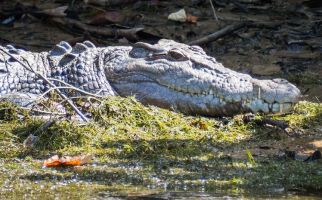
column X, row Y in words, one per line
column 179, row 16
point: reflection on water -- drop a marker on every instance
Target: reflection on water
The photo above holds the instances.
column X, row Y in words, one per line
column 56, row 187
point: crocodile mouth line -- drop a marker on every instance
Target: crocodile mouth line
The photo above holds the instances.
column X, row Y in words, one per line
column 282, row 107
column 271, row 107
column 274, row 107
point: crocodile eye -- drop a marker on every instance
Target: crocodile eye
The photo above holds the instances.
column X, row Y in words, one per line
column 177, row 55
column 138, row 53
column 280, row 81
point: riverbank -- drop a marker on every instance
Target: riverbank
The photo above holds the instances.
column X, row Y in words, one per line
column 139, row 151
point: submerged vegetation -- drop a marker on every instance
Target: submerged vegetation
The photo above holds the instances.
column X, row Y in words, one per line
column 142, row 149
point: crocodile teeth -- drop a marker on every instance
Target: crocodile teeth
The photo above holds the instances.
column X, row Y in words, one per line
column 281, row 108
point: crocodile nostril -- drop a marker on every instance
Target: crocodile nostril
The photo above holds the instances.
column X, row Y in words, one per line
column 12, row 60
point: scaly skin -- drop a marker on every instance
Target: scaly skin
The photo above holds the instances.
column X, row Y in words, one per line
column 168, row 74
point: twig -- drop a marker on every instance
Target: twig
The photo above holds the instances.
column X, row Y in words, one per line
column 68, row 86
column 221, row 33
column 127, row 33
column 79, row 90
column 49, row 83
column 248, row 117
column 277, row 123
column 44, row 126
column 62, row 87
column 213, row 10
column 44, row 111
column 83, row 97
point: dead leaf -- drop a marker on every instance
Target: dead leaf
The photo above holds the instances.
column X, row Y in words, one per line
column 70, row 161
column 200, row 124
column 107, row 17
column 55, row 12
column 317, row 144
column 52, row 162
column 192, row 19
column 55, row 161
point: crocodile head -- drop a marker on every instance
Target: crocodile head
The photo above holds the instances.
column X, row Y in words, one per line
column 174, row 75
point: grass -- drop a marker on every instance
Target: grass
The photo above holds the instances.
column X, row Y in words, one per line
column 139, row 150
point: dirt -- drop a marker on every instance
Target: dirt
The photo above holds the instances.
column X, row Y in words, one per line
column 282, row 40
column 303, row 147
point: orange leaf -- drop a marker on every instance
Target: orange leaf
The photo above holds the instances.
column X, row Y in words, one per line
column 55, row 161
column 107, row 17
column 72, row 162
column 201, row 125
column 192, row 19
column 52, row 162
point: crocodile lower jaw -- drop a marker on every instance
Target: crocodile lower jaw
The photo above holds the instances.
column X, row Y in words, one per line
column 254, row 104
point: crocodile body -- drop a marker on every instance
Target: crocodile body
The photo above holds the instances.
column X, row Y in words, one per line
column 167, row 74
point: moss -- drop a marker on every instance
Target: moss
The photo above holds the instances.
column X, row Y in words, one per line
column 10, row 112
column 305, row 78
column 146, row 147
column 306, row 115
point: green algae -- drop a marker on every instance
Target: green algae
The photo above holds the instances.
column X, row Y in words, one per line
column 144, row 149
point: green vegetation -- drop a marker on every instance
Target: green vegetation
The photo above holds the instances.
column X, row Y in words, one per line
column 139, row 149
column 305, row 78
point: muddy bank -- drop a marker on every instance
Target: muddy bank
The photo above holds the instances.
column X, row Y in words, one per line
column 276, row 38
column 140, row 151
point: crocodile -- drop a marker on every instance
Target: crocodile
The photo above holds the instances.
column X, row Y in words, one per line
column 166, row 74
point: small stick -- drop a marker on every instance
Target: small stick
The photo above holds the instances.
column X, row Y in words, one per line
column 49, row 83
column 213, row 10
column 221, row 33
column 69, row 87
column 44, row 111
column 79, row 90
column 83, row 97
column 44, row 126
column 62, row 87
column 127, row 33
